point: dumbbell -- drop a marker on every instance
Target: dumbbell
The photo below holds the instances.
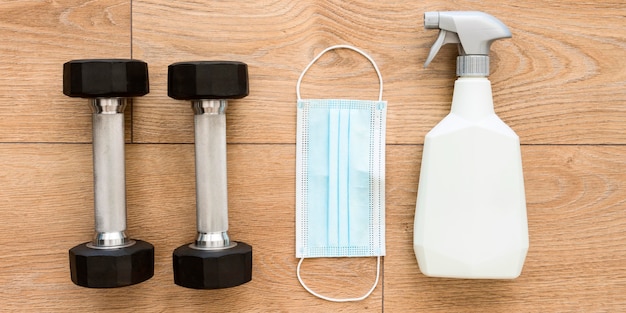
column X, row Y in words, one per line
column 111, row 259
column 213, row 261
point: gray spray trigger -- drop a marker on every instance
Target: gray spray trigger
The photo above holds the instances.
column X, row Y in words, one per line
column 473, row 31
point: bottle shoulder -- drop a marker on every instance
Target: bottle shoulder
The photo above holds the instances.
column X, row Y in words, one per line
column 456, row 124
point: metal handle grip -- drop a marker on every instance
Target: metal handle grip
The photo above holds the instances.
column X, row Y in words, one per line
column 211, row 178
column 109, row 172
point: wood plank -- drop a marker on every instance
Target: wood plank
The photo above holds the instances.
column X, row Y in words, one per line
column 271, row 37
column 48, row 188
column 37, row 38
column 575, row 214
column 556, row 81
column 577, row 239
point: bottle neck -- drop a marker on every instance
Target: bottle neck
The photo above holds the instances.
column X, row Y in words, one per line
column 472, row 98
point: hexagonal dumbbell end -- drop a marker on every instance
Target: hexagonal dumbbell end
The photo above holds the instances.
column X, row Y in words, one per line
column 207, row 80
column 212, row 269
column 105, row 78
column 112, row 267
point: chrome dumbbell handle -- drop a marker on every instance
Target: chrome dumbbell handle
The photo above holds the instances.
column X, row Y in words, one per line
column 211, row 174
column 109, row 173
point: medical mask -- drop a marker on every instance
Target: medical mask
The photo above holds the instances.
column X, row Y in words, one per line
column 340, row 177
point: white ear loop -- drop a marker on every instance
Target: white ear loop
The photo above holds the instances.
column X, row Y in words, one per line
column 380, row 77
column 336, row 299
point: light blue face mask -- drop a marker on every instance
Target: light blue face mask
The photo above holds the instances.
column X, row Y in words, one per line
column 340, row 177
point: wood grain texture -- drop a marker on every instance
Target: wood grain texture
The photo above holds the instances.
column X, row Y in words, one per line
column 275, row 38
column 560, row 83
column 37, row 38
column 561, row 72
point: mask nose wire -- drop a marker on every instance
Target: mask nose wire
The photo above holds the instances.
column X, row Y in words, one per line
column 337, row 299
column 380, row 77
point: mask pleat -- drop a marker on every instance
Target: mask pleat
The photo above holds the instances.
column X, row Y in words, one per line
column 319, row 179
column 333, row 178
column 343, row 194
column 359, row 175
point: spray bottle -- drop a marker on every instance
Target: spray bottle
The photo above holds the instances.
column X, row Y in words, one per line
column 470, row 218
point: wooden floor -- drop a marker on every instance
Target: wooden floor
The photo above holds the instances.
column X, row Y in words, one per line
column 560, row 83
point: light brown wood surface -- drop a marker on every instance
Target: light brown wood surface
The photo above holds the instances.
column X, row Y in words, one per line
column 560, row 83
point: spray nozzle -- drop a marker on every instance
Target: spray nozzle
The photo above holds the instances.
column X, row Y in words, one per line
column 473, row 31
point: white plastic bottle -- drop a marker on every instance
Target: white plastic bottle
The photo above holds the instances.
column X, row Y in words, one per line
column 470, row 219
